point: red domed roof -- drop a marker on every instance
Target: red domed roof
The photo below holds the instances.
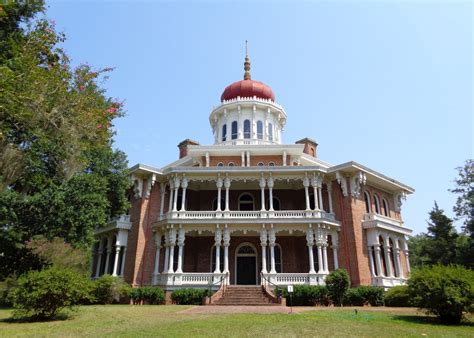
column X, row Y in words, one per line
column 248, row 88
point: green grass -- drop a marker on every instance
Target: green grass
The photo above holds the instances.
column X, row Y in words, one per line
column 127, row 320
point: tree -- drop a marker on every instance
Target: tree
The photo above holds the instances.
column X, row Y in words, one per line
column 464, row 207
column 59, row 174
column 338, row 283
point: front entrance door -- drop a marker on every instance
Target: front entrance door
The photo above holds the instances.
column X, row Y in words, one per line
column 246, row 265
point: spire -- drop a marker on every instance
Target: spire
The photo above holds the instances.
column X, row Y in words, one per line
column 247, row 63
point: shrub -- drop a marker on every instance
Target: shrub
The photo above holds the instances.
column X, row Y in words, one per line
column 43, row 294
column 188, row 296
column 307, row 295
column 151, row 295
column 398, row 296
column 445, row 291
column 337, row 283
column 108, row 289
column 364, row 295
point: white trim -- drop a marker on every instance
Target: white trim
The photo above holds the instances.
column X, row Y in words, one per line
column 236, row 255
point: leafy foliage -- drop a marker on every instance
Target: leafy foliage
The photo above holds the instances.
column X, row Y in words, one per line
column 398, row 296
column 148, row 294
column 307, row 295
column 364, row 295
column 59, row 175
column 108, row 289
column 188, row 296
column 43, row 294
column 338, row 283
column 445, row 291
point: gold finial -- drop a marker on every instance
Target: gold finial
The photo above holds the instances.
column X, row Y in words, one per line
column 247, row 63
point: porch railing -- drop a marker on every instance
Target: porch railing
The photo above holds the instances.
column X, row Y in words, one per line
column 257, row 214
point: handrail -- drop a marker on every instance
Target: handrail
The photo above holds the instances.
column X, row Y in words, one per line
column 270, row 293
column 220, row 281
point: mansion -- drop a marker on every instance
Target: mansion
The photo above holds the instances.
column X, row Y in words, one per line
column 249, row 210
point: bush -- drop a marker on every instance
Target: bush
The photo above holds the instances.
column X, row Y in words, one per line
column 150, row 295
column 307, row 295
column 337, row 283
column 398, row 296
column 108, row 289
column 364, row 295
column 188, row 296
column 445, row 291
column 43, row 294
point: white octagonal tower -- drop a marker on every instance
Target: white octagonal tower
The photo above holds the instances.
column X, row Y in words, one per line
column 248, row 114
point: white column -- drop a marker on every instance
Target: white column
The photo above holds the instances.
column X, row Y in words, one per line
column 184, row 186
column 371, row 261
column 99, row 258
column 162, row 198
column 172, row 239
column 227, row 186
column 320, row 257
column 329, row 186
column 262, row 189
column 270, row 184
column 314, row 183
column 171, row 185
column 407, row 256
column 388, row 261
column 306, row 193
column 107, row 257
column 310, row 243
column 243, row 158
column 271, row 242
column 226, row 243
column 284, row 158
column 378, row 262
column 219, row 184
column 320, row 197
column 156, row 270
column 181, row 238
column 248, row 158
column 218, row 239
column 325, row 257
column 397, row 262
column 117, row 254
column 124, row 255
column 263, row 242
column 175, row 199
column 335, row 245
column 167, row 252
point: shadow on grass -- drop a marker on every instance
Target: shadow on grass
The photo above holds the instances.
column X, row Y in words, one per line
column 430, row 320
column 59, row 317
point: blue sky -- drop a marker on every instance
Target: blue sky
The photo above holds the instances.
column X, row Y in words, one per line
column 388, row 84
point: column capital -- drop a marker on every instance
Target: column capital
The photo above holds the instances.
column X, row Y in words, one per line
column 176, row 182
column 271, row 237
column 227, row 182
column 306, row 182
column 184, row 183
column 310, row 237
column 270, row 182
column 181, row 237
column 262, row 182
column 226, row 237
column 219, row 182
column 218, row 237
column 263, row 237
column 172, row 237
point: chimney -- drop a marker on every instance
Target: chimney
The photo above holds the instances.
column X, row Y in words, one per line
column 183, row 147
column 309, row 146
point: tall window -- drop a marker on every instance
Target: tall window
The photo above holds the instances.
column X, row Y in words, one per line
column 386, row 211
column 259, row 130
column 367, row 202
column 246, row 202
column 392, row 257
column 213, row 258
column 270, row 132
column 247, row 129
column 377, row 204
column 224, row 132
column 278, row 260
column 234, row 130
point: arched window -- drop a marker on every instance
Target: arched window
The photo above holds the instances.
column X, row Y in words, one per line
column 271, row 164
column 382, row 256
column 234, row 130
column 376, row 204
column 224, row 132
column 220, row 164
column 270, row 132
column 259, row 130
column 367, row 202
column 260, row 164
column 386, row 210
column 247, row 129
column 246, row 202
column 231, row 164
column 278, row 259
column 213, row 258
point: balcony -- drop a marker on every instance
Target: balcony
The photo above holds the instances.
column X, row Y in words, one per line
column 388, row 282
column 258, row 216
column 119, row 222
column 376, row 221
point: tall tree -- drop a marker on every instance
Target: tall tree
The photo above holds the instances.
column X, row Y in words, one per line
column 59, row 174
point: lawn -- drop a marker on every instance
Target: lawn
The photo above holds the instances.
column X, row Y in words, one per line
column 174, row 321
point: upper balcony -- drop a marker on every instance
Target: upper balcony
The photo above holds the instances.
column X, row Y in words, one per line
column 373, row 220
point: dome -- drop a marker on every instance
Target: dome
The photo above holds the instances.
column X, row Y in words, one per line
column 248, row 88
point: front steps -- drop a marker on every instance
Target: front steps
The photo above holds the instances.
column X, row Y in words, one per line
column 244, row 295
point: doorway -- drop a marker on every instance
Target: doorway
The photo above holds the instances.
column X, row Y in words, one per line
column 246, row 265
